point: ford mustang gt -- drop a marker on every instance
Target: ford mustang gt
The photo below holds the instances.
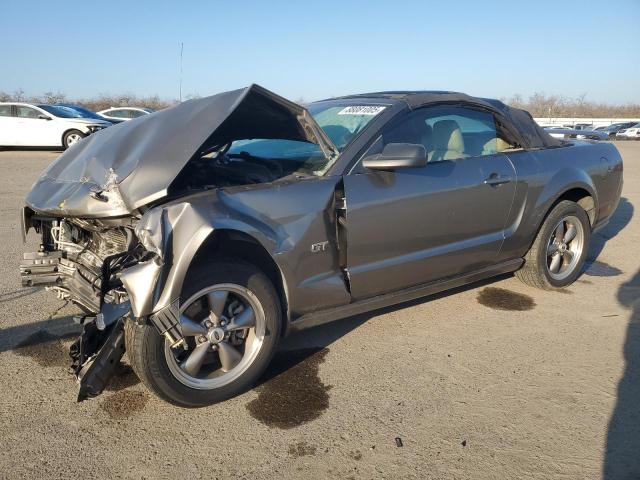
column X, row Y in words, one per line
column 195, row 237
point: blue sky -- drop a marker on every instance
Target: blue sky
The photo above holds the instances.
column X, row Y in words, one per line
column 323, row 48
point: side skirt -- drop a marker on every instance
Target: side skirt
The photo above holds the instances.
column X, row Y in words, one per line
column 381, row 301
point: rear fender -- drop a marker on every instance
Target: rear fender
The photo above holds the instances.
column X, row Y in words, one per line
column 565, row 180
column 536, row 203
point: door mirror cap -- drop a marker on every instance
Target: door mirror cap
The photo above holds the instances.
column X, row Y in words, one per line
column 44, row 117
column 397, row 155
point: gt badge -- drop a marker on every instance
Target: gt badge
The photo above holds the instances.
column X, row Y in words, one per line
column 319, row 247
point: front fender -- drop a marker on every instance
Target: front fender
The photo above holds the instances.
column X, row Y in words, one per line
column 176, row 233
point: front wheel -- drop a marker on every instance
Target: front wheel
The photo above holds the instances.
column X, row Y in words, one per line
column 558, row 253
column 231, row 321
column 72, row 137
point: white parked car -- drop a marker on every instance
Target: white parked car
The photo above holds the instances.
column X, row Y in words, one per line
column 124, row 113
column 27, row 125
column 630, row 133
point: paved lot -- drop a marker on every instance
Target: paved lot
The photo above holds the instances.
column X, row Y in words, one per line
column 497, row 380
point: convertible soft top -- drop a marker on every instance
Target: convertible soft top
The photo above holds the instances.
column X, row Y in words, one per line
column 533, row 135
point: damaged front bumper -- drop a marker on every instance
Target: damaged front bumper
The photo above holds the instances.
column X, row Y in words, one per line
column 82, row 265
column 98, row 350
column 115, row 276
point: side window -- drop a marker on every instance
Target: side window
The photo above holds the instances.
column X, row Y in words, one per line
column 449, row 133
column 117, row 114
column 5, row 110
column 136, row 113
column 26, row 112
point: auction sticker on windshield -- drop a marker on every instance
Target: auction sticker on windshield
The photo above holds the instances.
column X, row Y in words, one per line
column 361, row 110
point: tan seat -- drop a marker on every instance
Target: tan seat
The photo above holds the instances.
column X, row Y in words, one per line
column 495, row 145
column 448, row 141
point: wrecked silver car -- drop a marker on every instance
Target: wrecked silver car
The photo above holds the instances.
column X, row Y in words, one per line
column 194, row 238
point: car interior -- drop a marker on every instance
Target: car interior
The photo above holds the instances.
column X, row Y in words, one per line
column 444, row 139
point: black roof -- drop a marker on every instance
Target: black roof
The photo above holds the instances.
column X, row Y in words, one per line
column 533, row 135
column 417, row 98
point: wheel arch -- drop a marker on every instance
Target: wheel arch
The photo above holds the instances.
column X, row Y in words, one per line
column 578, row 194
column 582, row 197
column 226, row 243
column 568, row 184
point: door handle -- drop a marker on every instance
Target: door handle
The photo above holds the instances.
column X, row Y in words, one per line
column 494, row 179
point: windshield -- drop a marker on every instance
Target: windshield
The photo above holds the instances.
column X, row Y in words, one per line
column 343, row 122
column 84, row 112
column 63, row 112
column 340, row 121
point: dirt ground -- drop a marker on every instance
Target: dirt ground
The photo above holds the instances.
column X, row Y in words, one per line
column 492, row 381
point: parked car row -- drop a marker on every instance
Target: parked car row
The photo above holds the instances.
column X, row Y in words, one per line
column 568, row 132
column 619, row 131
column 629, row 133
column 615, row 128
column 56, row 125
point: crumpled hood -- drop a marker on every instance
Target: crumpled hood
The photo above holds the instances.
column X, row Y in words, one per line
column 128, row 165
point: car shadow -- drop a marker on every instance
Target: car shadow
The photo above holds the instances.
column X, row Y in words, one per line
column 36, row 333
column 16, row 294
column 619, row 220
column 298, row 346
column 53, row 149
column 306, row 343
column 622, row 450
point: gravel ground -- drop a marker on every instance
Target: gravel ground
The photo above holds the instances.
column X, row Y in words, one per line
column 497, row 380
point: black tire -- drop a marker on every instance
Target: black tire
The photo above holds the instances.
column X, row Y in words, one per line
column 70, row 136
column 535, row 271
column 146, row 347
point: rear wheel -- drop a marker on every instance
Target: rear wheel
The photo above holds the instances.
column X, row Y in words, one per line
column 231, row 323
column 72, row 137
column 558, row 253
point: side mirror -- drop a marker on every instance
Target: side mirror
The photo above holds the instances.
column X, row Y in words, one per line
column 397, row 155
column 44, row 117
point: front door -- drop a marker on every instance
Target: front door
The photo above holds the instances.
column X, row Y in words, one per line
column 8, row 126
column 35, row 128
column 416, row 225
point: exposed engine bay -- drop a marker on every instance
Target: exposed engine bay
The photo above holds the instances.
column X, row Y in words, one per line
column 80, row 261
column 219, row 168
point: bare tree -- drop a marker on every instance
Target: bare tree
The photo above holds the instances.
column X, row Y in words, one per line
column 50, row 97
column 542, row 105
column 539, row 104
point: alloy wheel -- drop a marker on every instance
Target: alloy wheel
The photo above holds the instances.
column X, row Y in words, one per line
column 224, row 329
column 565, row 247
column 73, row 138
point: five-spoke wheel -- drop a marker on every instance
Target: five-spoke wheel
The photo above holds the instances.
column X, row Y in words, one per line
column 559, row 250
column 224, row 327
column 565, row 247
column 230, row 321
